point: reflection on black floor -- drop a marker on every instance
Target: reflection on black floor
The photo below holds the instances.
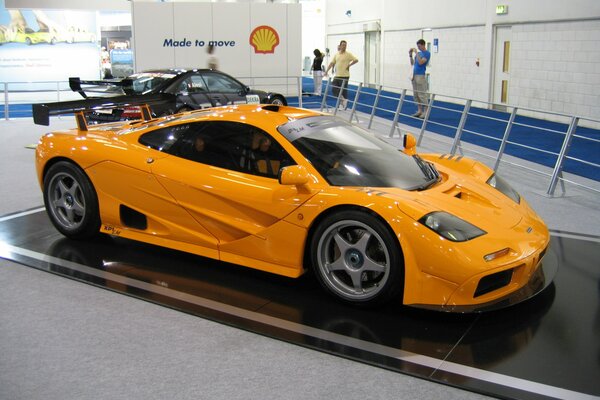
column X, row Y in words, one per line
column 546, row 347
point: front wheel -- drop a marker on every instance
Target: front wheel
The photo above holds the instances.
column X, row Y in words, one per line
column 71, row 201
column 278, row 100
column 356, row 258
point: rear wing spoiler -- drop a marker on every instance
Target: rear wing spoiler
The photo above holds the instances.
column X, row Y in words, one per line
column 42, row 112
column 76, row 83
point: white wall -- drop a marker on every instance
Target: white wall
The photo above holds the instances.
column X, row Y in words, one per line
column 556, row 67
column 452, row 70
column 313, row 29
column 555, row 47
column 230, row 24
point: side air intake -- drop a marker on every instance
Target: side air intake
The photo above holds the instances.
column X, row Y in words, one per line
column 132, row 218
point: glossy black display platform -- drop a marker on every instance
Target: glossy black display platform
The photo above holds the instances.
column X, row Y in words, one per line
column 548, row 347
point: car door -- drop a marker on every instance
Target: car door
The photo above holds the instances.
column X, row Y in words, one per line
column 192, row 93
column 224, row 89
column 220, row 191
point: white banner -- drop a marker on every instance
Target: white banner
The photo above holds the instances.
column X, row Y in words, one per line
column 38, row 45
column 251, row 40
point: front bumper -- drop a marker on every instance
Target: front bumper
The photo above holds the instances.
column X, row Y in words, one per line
column 543, row 276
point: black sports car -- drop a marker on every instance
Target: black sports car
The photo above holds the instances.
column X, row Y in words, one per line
column 192, row 88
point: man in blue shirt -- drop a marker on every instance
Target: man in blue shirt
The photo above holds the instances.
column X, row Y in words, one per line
column 419, row 80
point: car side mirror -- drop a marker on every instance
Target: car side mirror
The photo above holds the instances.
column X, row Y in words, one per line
column 410, row 144
column 294, row 175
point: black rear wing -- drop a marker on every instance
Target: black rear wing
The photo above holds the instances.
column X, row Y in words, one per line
column 76, row 83
column 42, row 112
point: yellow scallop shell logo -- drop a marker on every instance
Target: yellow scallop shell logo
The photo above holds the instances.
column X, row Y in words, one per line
column 264, row 39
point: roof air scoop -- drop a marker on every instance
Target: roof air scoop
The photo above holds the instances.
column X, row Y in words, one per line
column 271, row 107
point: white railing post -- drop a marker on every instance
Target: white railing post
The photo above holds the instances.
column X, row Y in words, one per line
column 397, row 114
column 5, row 100
column 355, row 102
column 299, row 84
column 461, row 127
column 425, row 119
column 562, row 155
column 324, row 101
column 375, row 104
column 509, row 126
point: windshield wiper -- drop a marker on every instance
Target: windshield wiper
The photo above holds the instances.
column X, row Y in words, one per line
column 429, row 170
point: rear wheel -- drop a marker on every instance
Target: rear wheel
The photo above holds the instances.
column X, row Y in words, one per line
column 357, row 259
column 71, row 201
column 185, row 109
column 278, row 100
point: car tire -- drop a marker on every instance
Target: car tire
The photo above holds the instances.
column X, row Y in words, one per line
column 356, row 258
column 166, row 113
column 71, row 201
column 278, row 100
column 184, row 109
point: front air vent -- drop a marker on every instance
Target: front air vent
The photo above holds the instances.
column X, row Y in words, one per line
column 132, row 218
column 493, row 282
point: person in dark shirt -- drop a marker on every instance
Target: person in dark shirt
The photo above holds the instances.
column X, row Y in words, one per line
column 317, row 70
column 202, row 155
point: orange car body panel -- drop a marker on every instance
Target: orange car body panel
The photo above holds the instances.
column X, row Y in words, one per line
column 256, row 222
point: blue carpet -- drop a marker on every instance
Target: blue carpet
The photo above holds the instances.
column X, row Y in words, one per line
column 531, row 139
column 16, row 111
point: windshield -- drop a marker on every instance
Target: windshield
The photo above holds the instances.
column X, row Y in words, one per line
column 347, row 155
column 146, row 82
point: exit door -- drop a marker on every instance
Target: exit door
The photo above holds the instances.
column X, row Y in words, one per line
column 372, row 43
column 502, row 65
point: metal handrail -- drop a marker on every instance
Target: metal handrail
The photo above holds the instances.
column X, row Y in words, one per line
column 55, row 90
column 561, row 157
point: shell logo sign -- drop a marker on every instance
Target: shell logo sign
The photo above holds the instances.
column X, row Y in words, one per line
column 264, row 39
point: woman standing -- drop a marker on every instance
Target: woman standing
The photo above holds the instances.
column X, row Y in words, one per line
column 317, row 70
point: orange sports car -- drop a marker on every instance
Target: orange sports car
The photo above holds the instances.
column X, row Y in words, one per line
column 288, row 190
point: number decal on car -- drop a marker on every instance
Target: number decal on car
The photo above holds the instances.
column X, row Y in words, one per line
column 252, row 99
column 111, row 230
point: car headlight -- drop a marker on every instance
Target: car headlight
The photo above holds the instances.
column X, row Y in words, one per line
column 450, row 227
column 500, row 184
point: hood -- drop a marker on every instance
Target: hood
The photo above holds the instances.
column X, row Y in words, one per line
column 464, row 195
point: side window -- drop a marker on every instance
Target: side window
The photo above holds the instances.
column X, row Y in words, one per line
column 230, row 145
column 203, row 144
column 221, row 83
column 260, row 154
column 185, row 86
column 197, row 84
column 165, row 139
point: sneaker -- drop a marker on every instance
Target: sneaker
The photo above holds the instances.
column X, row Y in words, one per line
column 421, row 116
column 417, row 115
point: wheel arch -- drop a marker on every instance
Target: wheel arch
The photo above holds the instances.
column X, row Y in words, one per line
column 86, row 222
column 56, row 160
column 335, row 209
